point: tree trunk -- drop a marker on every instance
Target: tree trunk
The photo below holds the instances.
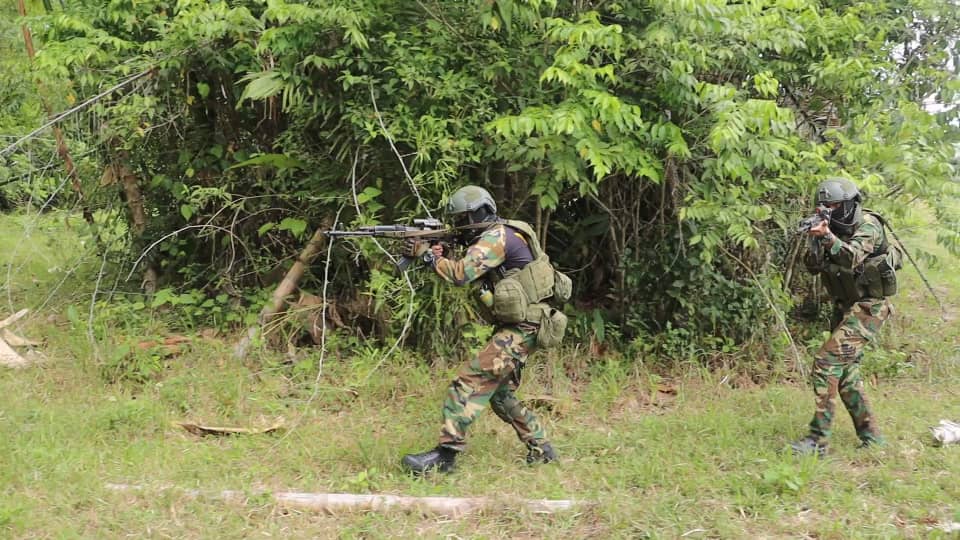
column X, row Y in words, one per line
column 62, row 149
column 120, row 172
column 286, row 288
column 131, row 188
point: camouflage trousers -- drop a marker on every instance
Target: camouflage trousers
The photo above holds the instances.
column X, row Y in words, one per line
column 490, row 378
column 836, row 370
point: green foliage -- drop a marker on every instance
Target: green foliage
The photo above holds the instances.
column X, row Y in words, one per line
column 786, row 478
column 122, row 415
column 11, row 514
column 887, row 363
column 588, row 325
column 703, row 448
column 606, row 382
column 127, row 363
column 666, row 146
column 364, row 482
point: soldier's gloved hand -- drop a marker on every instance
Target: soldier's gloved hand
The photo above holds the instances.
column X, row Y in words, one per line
column 414, row 247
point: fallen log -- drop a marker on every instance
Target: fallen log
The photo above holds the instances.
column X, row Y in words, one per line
column 10, row 358
column 345, row 502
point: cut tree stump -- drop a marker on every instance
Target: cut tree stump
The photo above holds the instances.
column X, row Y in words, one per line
column 332, row 503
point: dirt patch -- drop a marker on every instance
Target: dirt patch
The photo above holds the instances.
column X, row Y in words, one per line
column 638, row 401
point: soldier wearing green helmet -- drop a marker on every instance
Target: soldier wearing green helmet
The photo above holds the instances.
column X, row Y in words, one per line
column 517, row 280
column 857, row 265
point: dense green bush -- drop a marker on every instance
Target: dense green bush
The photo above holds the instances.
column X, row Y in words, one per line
column 664, row 150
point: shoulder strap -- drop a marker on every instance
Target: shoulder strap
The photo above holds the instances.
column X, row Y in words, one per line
column 880, row 218
column 527, row 231
column 882, row 248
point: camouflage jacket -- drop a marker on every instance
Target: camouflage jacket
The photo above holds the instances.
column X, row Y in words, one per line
column 500, row 246
column 846, row 255
column 841, row 263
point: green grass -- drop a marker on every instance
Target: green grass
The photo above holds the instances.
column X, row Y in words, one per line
column 704, row 461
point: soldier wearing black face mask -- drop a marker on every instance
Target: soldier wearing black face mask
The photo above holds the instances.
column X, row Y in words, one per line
column 857, row 266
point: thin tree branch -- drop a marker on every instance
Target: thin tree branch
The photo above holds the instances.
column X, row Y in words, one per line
column 69, row 112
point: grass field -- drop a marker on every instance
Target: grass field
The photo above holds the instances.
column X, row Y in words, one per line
column 693, row 454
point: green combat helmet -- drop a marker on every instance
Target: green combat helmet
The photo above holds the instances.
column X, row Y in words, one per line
column 471, row 205
column 841, row 190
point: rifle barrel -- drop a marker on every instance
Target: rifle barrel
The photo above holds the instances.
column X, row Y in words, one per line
column 391, row 231
column 347, row 234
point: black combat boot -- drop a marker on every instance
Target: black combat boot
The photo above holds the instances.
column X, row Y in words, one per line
column 871, row 442
column 540, row 453
column 807, row 446
column 440, row 458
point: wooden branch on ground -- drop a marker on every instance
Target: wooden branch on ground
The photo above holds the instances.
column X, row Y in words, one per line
column 202, row 430
column 16, row 341
column 9, row 357
column 285, row 289
column 344, row 502
column 13, row 318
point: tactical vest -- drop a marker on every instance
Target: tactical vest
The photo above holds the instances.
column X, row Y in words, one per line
column 520, row 294
column 875, row 278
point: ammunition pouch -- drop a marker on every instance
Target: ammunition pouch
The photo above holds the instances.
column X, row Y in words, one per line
column 562, row 288
column 553, row 325
column 875, row 278
column 519, row 288
column 510, row 303
column 879, row 277
column 537, row 279
column 842, row 284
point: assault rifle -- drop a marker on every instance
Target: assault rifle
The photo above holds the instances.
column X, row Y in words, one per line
column 429, row 229
column 821, row 214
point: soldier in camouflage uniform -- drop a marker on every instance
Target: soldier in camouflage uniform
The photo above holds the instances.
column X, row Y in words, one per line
column 851, row 254
column 491, row 376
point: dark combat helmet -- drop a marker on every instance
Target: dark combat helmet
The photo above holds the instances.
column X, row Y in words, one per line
column 468, row 206
column 847, row 216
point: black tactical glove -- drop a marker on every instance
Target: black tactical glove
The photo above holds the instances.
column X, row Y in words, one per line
column 415, row 247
